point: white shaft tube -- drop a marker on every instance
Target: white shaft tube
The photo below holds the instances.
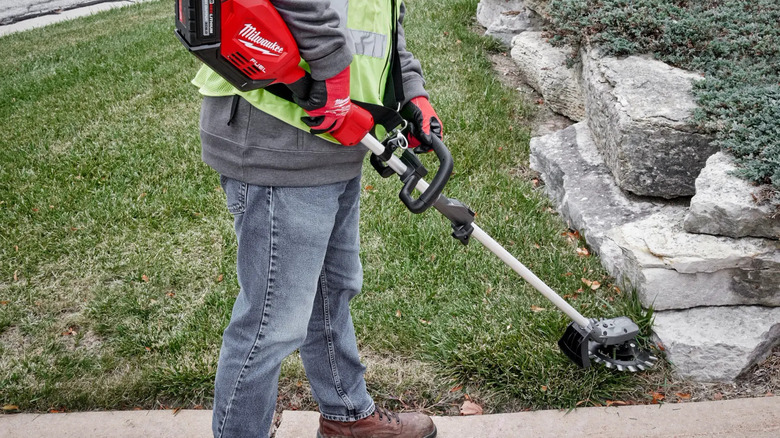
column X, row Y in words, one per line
column 529, row 276
column 400, row 168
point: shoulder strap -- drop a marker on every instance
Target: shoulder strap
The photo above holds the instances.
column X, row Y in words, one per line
column 394, row 89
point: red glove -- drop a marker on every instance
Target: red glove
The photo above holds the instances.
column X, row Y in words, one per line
column 424, row 122
column 327, row 104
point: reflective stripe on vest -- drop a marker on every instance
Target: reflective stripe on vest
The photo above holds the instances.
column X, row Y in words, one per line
column 369, row 24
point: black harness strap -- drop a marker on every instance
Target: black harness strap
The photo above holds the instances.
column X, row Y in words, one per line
column 394, row 90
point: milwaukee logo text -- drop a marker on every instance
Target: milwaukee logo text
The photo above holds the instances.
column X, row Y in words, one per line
column 257, row 42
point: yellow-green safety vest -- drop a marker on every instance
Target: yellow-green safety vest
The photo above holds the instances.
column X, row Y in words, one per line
column 370, row 28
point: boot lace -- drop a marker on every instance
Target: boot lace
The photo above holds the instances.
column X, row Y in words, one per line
column 384, row 412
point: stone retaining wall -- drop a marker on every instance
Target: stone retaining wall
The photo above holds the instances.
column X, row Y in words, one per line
column 623, row 176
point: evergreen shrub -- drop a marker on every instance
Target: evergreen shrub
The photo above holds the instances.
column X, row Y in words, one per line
column 735, row 44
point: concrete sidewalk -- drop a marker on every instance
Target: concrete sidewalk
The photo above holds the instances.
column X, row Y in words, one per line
column 21, row 15
column 754, row 418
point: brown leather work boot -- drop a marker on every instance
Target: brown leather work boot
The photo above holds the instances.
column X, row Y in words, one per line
column 380, row 424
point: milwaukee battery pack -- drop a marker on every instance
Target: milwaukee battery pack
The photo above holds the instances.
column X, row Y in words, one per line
column 244, row 41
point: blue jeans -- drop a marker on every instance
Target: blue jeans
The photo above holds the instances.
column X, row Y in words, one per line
column 298, row 268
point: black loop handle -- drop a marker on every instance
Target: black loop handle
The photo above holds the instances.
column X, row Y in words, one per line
column 432, row 193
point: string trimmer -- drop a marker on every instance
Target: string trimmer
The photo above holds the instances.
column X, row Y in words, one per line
column 248, row 44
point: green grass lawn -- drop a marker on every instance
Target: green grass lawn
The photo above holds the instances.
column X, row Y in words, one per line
column 117, row 254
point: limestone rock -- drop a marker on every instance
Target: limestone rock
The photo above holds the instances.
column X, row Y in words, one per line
column 639, row 112
column 582, row 187
column 543, row 67
column 672, row 269
column 641, row 241
column 504, row 19
column 724, row 204
column 717, row 344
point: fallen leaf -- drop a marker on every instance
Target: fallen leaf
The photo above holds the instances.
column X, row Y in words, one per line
column 616, row 403
column 369, row 187
column 595, row 285
column 586, row 281
column 538, row 309
column 176, row 411
column 220, row 277
column 544, row 388
column 470, row 408
column 16, row 275
column 145, row 278
column 10, row 408
column 4, row 302
column 717, row 396
column 660, row 346
column 683, row 395
column 147, row 349
column 657, row 397
column 617, row 289
column 571, row 236
column 456, row 388
column 583, row 252
column 69, row 332
column 397, row 313
column 171, row 294
column 425, row 322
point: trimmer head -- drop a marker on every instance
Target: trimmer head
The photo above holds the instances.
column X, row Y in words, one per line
column 608, row 341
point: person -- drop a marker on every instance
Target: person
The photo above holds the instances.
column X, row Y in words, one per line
column 295, row 200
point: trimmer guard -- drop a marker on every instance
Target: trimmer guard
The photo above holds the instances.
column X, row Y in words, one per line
column 574, row 344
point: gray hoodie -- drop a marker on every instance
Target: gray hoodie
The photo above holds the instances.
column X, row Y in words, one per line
column 256, row 148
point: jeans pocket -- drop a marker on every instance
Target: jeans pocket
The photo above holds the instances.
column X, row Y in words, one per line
column 235, row 192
